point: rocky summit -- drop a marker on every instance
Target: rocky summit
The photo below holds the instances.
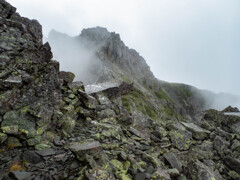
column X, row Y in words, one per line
column 137, row 127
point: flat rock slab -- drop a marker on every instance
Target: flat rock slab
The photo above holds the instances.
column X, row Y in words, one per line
column 46, row 152
column 76, row 147
column 20, row 175
column 138, row 133
column 31, row 157
column 81, row 149
column 161, row 174
column 94, row 88
column 197, row 132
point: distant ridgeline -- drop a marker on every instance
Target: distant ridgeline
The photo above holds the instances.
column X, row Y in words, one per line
column 109, row 60
column 122, row 123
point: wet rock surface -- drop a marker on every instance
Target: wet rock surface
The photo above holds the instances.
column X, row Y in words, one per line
column 50, row 128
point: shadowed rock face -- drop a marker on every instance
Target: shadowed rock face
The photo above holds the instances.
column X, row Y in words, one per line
column 28, row 77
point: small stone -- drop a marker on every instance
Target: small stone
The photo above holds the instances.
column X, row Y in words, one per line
column 13, row 142
column 34, row 141
column 173, row 172
column 60, row 156
column 31, row 157
column 41, row 146
column 3, row 137
column 124, row 155
column 150, row 170
column 46, row 152
column 161, row 174
column 71, row 96
column 10, row 129
column 74, row 165
column 57, row 141
column 13, row 81
column 100, row 174
column 181, row 177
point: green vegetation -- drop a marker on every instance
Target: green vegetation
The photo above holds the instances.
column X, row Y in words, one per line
column 161, row 95
column 141, row 102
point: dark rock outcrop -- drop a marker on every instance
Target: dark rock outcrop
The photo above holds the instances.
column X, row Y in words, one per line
column 231, row 109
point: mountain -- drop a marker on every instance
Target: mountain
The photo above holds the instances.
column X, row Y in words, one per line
column 123, row 123
column 110, row 60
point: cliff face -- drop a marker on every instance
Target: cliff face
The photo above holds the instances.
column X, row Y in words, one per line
column 29, row 85
column 51, row 128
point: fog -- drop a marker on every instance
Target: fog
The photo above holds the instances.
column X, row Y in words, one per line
column 192, row 42
column 73, row 56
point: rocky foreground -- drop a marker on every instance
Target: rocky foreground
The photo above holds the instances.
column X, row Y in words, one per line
column 50, row 128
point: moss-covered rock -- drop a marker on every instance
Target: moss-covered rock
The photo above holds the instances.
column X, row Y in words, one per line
column 13, row 143
column 197, row 132
column 181, row 139
column 3, row 137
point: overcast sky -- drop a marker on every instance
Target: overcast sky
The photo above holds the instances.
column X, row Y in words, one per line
column 191, row 41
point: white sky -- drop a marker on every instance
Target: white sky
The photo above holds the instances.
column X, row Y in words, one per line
column 191, row 41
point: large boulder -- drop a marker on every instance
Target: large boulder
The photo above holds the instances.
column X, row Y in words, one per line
column 199, row 171
column 197, row 132
column 181, row 139
column 68, row 77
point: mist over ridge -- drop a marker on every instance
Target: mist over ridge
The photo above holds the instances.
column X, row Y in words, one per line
column 82, row 55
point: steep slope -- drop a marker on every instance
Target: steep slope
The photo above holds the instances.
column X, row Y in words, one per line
column 115, row 62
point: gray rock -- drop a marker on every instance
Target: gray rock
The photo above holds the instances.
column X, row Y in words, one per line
column 3, row 137
column 20, row 175
column 197, row 132
column 220, row 145
column 232, row 163
column 57, row 141
column 46, row 152
column 198, row 170
column 173, row 161
column 31, row 157
column 100, row 174
column 181, row 139
column 82, row 148
column 173, row 172
column 22, row 119
column 140, row 176
column 66, row 76
column 161, row 174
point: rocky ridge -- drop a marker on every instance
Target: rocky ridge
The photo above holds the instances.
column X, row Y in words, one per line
column 110, row 61
column 50, row 128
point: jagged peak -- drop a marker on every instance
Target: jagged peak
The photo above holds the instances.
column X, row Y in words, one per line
column 96, row 34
